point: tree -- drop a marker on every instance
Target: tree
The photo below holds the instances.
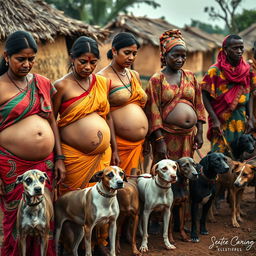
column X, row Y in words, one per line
column 228, row 9
column 97, row 12
column 209, row 28
column 245, row 19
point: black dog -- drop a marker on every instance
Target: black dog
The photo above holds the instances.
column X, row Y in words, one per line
column 202, row 190
column 243, row 144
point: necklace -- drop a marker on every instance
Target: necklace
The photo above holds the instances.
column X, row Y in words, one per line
column 80, row 85
column 129, row 89
column 19, row 88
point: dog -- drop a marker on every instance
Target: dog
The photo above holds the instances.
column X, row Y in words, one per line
column 186, row 171
column 128, row 199
column 245, row 175
column 156, row 195
column 202, row 190
column 35, row 210
column 242, row 146
column 89, row 207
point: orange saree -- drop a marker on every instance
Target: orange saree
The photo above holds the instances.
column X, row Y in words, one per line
column 130, row 152
column 80, row 167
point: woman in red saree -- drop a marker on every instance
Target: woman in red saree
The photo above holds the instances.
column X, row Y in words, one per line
column 174, row 108
column 28, row 133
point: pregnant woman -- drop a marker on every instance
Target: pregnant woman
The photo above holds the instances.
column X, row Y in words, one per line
column 28, row 134
column 127, row 99
column 174, row 108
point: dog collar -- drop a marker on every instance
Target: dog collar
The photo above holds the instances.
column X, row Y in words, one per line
column 104, row 194
column 27, row 200
column 160, row 186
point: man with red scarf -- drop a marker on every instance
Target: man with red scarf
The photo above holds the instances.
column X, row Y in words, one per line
column 228, row 91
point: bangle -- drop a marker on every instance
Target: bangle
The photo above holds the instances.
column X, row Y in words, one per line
column 59, row 157
column 159, row 138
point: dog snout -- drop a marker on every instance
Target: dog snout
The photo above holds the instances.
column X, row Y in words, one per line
column 38, row 190
column 173, row 178
column 120, row 184
column 195, row 175
column 237, row 184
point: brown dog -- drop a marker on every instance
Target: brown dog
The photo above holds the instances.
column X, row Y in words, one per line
column 35, row 210
column 128, row 199
column 235, row 180
column 89, row 207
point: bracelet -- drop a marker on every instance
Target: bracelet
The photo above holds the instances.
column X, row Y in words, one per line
column 59, row 157
column 159, row 138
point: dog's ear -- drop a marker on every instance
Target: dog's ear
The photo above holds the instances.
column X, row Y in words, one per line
column 96, row 177
column 18, row 180
column 178, row 163
column 47, row 178
column 235, row 166
column 153, row 170
column 205, row 162
column 125, row 178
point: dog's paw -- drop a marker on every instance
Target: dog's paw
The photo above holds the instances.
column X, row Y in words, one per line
column 235, row 224
column 204, row 232
column 194, row 238
column 136, row 252
column 143, row 248
column 169, row 246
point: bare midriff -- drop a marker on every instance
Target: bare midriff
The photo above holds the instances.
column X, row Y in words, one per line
column 87, row 134
column 130, row 122
column 182, row 116
column 30, row 139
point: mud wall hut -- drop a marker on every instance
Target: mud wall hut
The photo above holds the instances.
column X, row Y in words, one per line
column 147, row 31
column 53, row 31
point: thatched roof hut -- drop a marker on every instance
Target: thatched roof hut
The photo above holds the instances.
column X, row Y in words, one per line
column 249, row 37
column 147, row 31
column 53, row 31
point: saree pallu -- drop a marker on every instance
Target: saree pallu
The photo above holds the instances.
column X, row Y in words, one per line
column 11, row 167
column 81, row 167
column 179, row 141
column 130, row 152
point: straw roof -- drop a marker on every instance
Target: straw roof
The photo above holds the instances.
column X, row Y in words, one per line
column 249, row 36
column 215, row 39
column 148, row 31
column 42, row 20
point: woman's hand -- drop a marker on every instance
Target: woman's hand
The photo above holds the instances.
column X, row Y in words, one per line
column 59, row 171
column 2, row 192
column 161, row 149
column 146, row 147
column 198, row 141
column 249, row 126
column 216, row 124
column 115, row 160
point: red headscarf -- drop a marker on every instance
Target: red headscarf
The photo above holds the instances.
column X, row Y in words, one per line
column 238, row 74
column 168, row 40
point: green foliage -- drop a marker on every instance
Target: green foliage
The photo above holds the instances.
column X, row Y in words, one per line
column 245, row 19
column 97, row 12
column 209, row 28
column 226, row 13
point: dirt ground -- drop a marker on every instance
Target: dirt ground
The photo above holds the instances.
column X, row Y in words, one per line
column 221, row 232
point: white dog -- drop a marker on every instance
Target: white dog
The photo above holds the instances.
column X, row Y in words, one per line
column 156, row 194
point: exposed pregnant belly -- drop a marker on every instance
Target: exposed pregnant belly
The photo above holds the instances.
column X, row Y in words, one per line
column 130, row 122
column 87, row 134
column 182, row 115
column 29, row 139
